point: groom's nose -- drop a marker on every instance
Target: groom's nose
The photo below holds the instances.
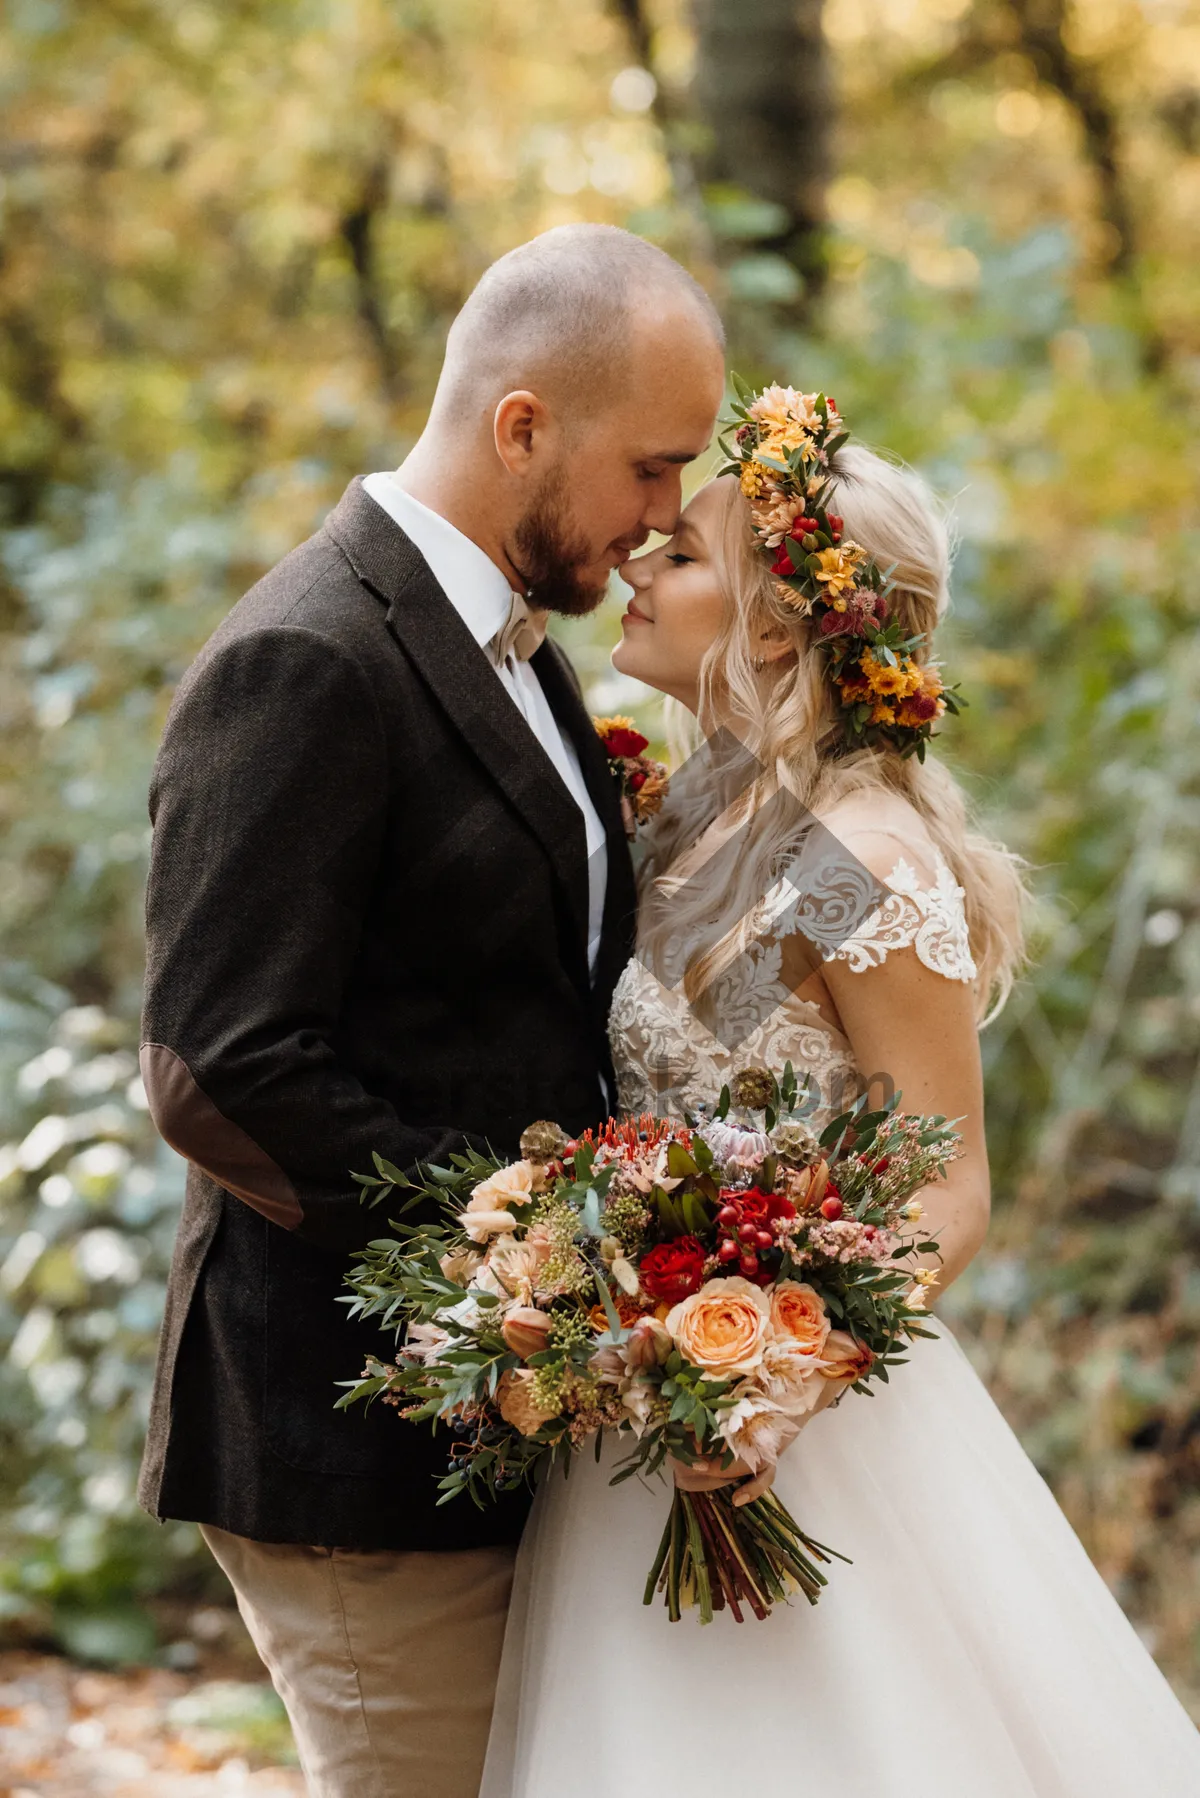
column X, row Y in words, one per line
column 664, row 504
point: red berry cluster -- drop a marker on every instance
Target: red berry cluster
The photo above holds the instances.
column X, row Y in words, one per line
column 744, row 1226
column 803, row 531
column 831, row 1207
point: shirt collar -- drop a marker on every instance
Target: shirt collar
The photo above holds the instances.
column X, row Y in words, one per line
column 471, row 581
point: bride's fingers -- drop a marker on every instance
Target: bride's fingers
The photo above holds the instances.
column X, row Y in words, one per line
column 706, row 1476
column 762, row 1482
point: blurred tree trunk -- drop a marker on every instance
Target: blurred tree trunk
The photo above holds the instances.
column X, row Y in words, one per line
column 764, row 90
column 1038, row 31
column 764, row 96
column 1040, row 27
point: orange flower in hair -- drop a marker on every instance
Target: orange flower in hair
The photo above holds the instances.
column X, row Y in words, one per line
column 782, row 447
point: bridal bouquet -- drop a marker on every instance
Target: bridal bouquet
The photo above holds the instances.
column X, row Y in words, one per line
column 692, row 1289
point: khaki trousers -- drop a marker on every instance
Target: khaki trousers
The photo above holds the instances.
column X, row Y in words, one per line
column 385, row 1661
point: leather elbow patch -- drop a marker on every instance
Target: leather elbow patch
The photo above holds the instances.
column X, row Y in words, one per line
column 186, row 1118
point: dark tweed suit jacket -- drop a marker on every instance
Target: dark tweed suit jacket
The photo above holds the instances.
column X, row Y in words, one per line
column 367, row 924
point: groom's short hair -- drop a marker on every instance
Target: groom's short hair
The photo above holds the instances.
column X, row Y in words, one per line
column 561, row 304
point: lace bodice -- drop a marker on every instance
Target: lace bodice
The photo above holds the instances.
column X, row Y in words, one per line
column 668, row 1061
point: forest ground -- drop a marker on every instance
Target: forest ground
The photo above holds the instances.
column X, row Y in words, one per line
column 215, row 1730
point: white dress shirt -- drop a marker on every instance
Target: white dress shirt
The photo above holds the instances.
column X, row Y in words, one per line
column 480, row 595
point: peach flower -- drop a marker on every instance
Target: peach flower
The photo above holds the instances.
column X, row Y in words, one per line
column 649, row 1345
column 758, row 1431
column 723, row 1327
column 798, row 1313
column 512, row 1185
column 460, row 1264
column 638, row 1399
column 845, row 1358
column 484, row 1280
column 487, row 1211
column 789, row 1378
column 425, row 1342
column 516, row 1265
column 518, row 1406
column 525, row 1329
column 481, row 1224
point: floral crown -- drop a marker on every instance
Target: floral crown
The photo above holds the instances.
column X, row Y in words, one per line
column 782, row 446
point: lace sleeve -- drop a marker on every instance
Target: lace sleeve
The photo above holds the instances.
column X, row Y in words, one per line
column 849, row 915
column 930, row 917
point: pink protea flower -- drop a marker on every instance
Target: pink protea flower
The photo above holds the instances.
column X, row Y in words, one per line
column 864, row 610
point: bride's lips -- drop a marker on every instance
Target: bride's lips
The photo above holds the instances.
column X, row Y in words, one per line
column 631, row 611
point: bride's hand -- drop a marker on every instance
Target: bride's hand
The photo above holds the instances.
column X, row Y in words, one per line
column 710, row 1476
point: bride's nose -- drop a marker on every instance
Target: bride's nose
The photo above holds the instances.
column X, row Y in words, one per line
column 636, row 572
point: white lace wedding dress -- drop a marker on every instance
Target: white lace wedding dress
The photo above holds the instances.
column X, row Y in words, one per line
column 970, row 1651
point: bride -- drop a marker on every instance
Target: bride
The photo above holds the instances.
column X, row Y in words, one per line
column 970, row 1650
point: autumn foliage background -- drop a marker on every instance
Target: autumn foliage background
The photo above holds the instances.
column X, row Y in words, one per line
column 231, row 240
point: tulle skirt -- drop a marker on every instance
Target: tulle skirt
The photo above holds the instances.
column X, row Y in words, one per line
column 970, row 1651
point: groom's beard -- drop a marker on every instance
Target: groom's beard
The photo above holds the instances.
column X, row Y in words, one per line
column 550, row 556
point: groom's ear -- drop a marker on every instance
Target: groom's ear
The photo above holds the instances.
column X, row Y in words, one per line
column 525, row 433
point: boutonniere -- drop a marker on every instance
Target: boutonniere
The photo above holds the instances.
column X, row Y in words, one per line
column 641, row 781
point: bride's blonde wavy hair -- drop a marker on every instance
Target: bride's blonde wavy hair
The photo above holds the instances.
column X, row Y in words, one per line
column 785, row 714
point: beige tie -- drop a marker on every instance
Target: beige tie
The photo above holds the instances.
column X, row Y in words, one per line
column 521, row 633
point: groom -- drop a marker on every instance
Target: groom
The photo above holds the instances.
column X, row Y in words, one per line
column 389, row 898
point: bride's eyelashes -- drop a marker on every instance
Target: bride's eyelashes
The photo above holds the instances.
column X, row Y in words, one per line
column 680, row 561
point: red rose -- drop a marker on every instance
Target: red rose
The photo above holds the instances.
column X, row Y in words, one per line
column 625, row 742
column 754, row 1206
column 637, row 779
column 674, row 1270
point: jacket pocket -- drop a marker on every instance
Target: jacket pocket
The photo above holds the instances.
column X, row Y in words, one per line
column 309, row 1346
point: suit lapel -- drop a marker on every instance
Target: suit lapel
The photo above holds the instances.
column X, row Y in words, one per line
column 457, row 671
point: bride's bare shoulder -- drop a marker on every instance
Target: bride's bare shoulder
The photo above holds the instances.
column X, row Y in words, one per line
column 880, row 829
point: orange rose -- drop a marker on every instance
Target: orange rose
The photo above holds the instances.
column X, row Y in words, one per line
column 723, row 1327
column 525, row 1329
column 799, row 1313
column 518, row 1406
column 627, row 1310
column 845, row 1358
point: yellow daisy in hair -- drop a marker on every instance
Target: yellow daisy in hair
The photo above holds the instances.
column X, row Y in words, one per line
column 837, row 570
column 884, row 678
column 882, row 714
column 784, row 438
column 755, row 479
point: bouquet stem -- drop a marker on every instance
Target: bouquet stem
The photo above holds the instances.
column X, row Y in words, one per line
column 714, row 1554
